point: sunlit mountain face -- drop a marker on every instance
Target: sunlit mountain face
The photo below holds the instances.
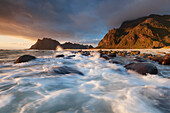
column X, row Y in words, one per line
column 81, row 21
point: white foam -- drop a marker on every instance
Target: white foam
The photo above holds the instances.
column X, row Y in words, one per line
column 5, row 100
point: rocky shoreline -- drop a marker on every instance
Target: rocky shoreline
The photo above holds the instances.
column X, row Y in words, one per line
column 142, row 63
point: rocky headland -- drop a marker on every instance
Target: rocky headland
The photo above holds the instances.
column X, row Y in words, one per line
column 148, row 32
column 50, row 44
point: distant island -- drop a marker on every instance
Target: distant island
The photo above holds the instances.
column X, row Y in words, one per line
column 50, row 44
column 148, row 32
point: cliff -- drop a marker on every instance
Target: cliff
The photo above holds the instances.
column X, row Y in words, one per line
column 147, row 32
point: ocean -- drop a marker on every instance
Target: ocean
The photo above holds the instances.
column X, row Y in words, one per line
column 95, row 85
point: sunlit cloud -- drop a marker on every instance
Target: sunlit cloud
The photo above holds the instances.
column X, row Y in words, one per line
column 72, row 20
column 10, row 42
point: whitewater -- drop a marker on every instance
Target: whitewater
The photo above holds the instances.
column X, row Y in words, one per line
column 103, row 87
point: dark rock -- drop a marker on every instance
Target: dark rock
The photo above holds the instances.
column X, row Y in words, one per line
column 70, row 56
column 165, row 60
column 134, row 52
column 115, row 62
column 139, row 59
column 50, row 44
column 112, row 54
column 145, row 55
column 25, row 58
column 85, row 53
column 45, row 44
column 154, row 58
column 104, row 56
column 66, row 70
column 142, row 68
column 69, row 45
column 59, row 56
column 122, row 53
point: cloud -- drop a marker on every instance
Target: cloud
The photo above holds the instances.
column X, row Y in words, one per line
column 72, row 20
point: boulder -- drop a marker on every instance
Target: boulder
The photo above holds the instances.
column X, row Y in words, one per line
column 165, row 60
column 104, row 56
column 85, row 53
column 134, row 52
column 145, row 55
column 112, row 54
column 25, row 58
column 155, row 58
column 122, row 53
column 65, row 70
column 142, row 68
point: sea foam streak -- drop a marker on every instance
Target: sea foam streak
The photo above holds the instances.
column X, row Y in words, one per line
column 105, row 87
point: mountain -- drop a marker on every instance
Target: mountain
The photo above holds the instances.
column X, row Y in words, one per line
column 45, row 44
column 50, row 44
column 69, row 45
column 152, row 31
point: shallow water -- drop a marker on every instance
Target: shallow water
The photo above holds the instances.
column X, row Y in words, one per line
column 34, row 87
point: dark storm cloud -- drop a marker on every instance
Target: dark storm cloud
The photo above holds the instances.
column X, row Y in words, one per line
column 72, row 20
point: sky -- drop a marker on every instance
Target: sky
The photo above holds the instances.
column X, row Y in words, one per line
column 22, row 22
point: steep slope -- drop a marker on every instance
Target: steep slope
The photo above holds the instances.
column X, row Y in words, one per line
column 148, row 32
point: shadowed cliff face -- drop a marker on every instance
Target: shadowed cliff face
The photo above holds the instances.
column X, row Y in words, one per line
column 50, row 44
column 148, row 32
column 45, row 44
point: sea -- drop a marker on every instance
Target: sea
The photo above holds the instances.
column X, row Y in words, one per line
column 94, row 86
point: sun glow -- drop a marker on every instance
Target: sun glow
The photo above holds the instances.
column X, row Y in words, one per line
column 10, row 42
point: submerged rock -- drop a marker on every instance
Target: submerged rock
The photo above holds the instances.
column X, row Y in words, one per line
column 70, row 56
column 142, row 68
column 66, row 70
column 58, row 56
column 116, row 62
column 25, row 58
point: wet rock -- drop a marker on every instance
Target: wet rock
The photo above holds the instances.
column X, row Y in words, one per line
column 134, row 52
column 142, row 68
column 59, row 56
column 85, row 53
column 139, row 59
column 66, row 70
column 161, row 53
column 165, row 60
column 116, row 62
column 121, row 53
column 155, row 58
column 112, row 54
column 104, row 56
column 145, row 55
column 70, row 56
column 25, row 58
